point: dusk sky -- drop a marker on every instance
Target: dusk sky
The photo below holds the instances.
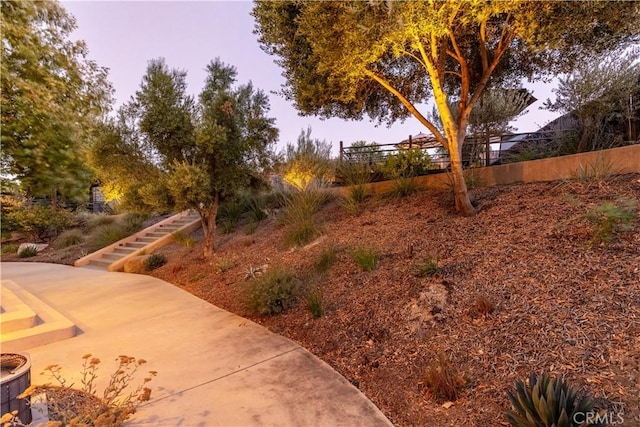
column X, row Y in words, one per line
column 124, row 36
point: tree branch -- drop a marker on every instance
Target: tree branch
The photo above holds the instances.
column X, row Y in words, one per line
column 483, row 44
column 436, row 133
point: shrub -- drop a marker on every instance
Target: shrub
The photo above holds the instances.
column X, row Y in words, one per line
column 326, row 259
column 300, row 215
column 42, row 223
column 443, row 380
column 107, row 235
column 183, row 238
column 365, row 258
column 254, row 209
column 403, row 187
column 133, row 222
column 610, row 218
column 547, row 402
column 9, row 248
column 69, row 238
column 229, row 215
column 28, row 252
column 598, row 172
column 483, row 306
column 155, row 261
column 98, row 221
column 407, row 164
column 427, row 267
column 314, row 302
column 272, row 292
column 70, row 406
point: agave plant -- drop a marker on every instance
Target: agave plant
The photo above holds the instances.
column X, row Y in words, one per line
column 550, row 402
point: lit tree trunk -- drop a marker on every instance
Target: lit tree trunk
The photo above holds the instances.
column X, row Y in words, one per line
column 460, row 192
column 208, row 218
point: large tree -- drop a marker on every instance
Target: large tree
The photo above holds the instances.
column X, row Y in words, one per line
column 385, row 59
column 189, row 154
column 51, row 96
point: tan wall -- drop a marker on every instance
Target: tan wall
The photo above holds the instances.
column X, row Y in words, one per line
column 622, row 160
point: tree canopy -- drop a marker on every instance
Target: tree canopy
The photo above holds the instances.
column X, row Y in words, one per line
column 384, row 59
column 51, row 96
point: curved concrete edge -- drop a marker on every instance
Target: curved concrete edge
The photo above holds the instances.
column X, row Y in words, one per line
column 214, row 368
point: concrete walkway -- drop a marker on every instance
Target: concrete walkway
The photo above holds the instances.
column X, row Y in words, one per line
column 214, row 368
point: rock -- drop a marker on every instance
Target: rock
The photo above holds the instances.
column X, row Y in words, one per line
column 39, row 246
column 136, row 264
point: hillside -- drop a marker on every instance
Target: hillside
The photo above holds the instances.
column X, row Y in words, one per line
column 518, row 288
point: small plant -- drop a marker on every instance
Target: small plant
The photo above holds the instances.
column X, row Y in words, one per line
column 229, row 215
column 351, row 205
column 98, row 221
column 483, row 306
column 155, row 261
column 609, row 218
column 69, row 238
column 183, row 238
column 107, row 235
column 547, row 402
column 598, row 172
column 9, row 248
column 427, row 267
column 443, row 380
column 224, row 265
column 314, row 302
column 325, row 260
column 42, row 223
column 28, row 252
column 133, row 222
column 403, row 187
column 365, row 258
column 70, row 406
column 253, row 207
column 272, row 292
column 251, row 227
column 300, row 211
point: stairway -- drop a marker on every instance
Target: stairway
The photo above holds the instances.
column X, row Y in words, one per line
column 26, row 321
column 113, row 257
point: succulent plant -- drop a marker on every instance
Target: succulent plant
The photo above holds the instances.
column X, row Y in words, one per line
column 550, row 402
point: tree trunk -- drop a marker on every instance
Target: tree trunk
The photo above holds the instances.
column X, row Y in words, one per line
column 208, row 218
column 460, row 192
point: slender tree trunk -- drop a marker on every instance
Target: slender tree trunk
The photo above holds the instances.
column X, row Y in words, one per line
column 460, row 192
column 208, row 218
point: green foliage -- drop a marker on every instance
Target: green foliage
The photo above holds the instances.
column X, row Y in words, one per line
column 98, row 221
column 251, row 227
column 548, row 402
column 325, row 260
column 28, row 252
column 42, row 223
column 443, row 380
column 133, row 222
column 229, row 215
column 403, row 187
column 272, row 292
column 610, row 218
column 427, row 266
column 407, row 164
column 51, row 96
column 300, row 215
column 183, row 238
column 69, row 238
column 8, row 248
column 106, row 235
column 366, row 258
column 598, row 172
column 314, row 302
column 308, row 164
column 155, row 261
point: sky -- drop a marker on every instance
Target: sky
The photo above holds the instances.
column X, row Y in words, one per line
column 124, row 35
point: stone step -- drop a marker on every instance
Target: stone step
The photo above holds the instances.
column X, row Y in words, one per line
column 113, row 256
column 15, row 314
column 145, row 240
column 49, row 326
column 136, row 245
column 101, row 262
column 156, row 234
column 125, row 250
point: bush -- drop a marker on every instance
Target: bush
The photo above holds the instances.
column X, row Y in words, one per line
column 365, row 258
column 9, row 248
column 155, row 261
column 272, row 292
column 403, row 187
column 443, row 380
column 252, row 206
column 42, row 223
column 229, row 215
column 314, row 302
column 28, row 252
column 107, row 235
column 427, row 267
column 69, row 238
column 133, row 222
column 325, row 260
column 598, row 172
column 70, row 406
column 300, row 211
column 547, row 402
column 610, row 218
column 185, row 239
column 407, row 164
column 98, row 221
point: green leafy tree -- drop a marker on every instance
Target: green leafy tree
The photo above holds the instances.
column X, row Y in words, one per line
column 51, row 97
column 384, row 59
column 597, row 90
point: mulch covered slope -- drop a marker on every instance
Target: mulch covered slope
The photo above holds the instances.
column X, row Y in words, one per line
column 561, row 304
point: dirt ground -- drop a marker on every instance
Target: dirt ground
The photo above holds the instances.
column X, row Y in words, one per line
column 519, row 288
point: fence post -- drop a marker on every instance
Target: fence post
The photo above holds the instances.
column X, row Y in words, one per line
column 410, row 142
column 341, row 150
